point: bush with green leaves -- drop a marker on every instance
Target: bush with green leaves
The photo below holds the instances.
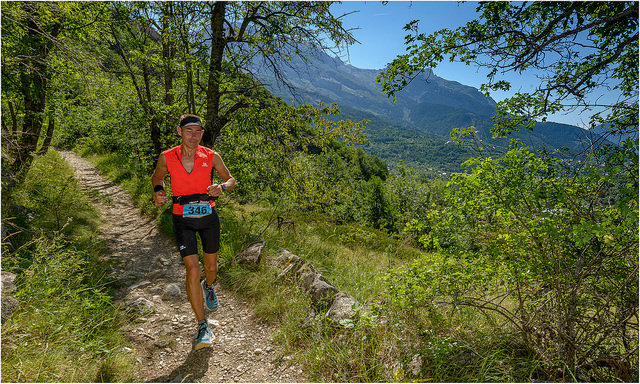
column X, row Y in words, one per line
column 554, row 253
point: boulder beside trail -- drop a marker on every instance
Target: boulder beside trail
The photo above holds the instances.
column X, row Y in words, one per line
column 251, row 255
column 325, row 298
column 322, row 293
column 343, row 307
column 334, row 303
column 9, row 303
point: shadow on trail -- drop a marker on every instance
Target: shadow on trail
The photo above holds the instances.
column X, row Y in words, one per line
column 194, row 368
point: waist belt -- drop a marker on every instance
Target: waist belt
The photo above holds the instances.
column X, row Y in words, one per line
column 186, row 199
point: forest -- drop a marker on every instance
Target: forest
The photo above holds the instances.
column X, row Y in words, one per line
column 520, row 267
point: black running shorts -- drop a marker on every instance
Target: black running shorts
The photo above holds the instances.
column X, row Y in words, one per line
column 185, row 230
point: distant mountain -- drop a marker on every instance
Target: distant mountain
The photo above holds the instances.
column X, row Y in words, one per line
column 326, row 79
column 612, row 136
column 429, row 104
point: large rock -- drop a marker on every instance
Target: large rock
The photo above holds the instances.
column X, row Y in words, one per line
column 306, row 275
column 322, row 293
column 325, row 298
column 9, row 303
column 301, row 272
column 284, row 258
column 8, row 282
column 291, row 268
column 343, row 307
column 250, row 256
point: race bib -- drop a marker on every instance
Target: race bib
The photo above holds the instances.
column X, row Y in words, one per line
column 196, row 210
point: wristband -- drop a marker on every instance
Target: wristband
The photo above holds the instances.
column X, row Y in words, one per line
column 224, row 187
column 158, row 188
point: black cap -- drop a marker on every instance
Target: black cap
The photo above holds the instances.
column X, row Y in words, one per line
column 189, row 121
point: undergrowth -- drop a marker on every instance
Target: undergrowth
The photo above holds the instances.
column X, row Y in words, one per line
column 383, row 342
column 66, row 328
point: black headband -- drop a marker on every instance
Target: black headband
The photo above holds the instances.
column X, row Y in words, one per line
column 190, row 120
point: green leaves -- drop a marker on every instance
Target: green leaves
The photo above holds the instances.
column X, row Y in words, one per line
column 543, row 245
column 274, row 149
column 576, row 50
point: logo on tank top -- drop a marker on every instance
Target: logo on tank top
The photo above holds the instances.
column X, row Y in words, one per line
column 204, row 164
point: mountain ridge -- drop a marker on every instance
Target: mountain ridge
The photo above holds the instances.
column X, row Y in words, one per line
column 429, row 104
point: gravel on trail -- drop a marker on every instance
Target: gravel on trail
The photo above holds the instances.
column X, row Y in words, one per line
column 151, row 278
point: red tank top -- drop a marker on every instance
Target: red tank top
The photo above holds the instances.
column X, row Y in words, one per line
column 183, row 183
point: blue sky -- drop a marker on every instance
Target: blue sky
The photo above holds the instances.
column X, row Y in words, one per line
column 381, row 39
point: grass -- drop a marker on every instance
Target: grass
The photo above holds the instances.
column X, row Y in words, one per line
column 366, row 351
column 351, row 266
column 66, row 328
column 131, row 175
column 385, row 343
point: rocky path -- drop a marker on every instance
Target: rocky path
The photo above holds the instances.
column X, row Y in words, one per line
column 151, row 273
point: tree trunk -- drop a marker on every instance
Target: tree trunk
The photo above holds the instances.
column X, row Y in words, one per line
column 50, row 127
column 214, row 122
column 151, row 113
column 14, row 121
column 34, row 88
column 168, row 55
column 190, row 97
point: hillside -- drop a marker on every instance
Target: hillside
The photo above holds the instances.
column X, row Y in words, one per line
column 428, row 105
column 395, row 144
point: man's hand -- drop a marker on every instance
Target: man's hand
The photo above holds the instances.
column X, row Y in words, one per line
column 214, row 190
column 159, row 198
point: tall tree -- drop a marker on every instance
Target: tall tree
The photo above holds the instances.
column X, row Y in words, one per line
column 221, row 42
column 566, row 239
column 246, row 34
column 33, row 33
column 33, row 37
column 137, row 44
column 155, row 41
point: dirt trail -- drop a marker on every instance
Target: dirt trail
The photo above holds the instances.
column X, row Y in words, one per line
column 149, row 267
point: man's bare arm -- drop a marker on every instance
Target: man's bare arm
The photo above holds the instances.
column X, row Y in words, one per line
column 229, row 182
column 157, row 180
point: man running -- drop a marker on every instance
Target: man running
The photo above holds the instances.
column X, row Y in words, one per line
column 191, row 167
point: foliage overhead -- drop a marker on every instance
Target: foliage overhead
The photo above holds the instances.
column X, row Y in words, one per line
column 35, row 46
column 269, row 32
column 576, row 49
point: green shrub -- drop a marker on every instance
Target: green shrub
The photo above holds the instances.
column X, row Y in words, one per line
column 552, row 252
column 64, row 330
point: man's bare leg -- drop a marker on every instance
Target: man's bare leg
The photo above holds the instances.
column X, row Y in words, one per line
column 210, row 267
column 194, row 290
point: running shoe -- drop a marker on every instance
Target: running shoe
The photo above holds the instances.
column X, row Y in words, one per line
column 204, row 338
column 210, row 298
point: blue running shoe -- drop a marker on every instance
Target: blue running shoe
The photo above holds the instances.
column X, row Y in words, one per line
column 210, row 298
column 204, row 338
